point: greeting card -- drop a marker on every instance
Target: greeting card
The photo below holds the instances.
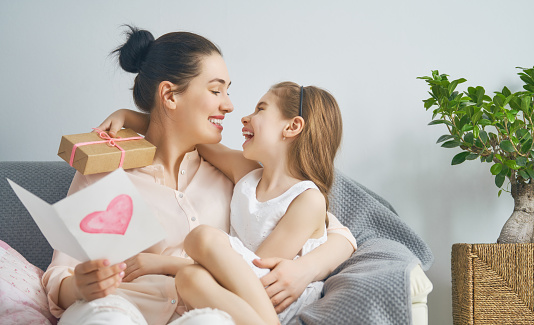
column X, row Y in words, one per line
column 108, row 219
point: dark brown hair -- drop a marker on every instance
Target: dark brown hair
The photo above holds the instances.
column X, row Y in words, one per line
column 173, row 57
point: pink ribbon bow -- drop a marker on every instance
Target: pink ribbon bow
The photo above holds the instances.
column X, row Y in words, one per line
column 106, row 139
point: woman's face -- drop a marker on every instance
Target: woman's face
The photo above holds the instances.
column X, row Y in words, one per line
column 203, row 105
column 263, row 129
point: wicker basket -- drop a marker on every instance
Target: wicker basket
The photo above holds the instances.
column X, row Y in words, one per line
column 493, row 283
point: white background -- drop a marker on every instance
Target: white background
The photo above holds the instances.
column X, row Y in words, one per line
column 56, row 77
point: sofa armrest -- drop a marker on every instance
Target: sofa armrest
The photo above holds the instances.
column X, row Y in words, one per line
column 420, row 287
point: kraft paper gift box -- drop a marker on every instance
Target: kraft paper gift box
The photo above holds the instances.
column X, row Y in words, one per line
column 96, row 152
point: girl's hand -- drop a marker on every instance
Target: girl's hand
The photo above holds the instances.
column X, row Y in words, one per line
column 96, row 279
column 113, row 123
column 144, row 263
column 125, row 118
column 286, row 281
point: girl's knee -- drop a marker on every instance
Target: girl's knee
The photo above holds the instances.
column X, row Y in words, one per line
column 203, row 241
column 190, row 279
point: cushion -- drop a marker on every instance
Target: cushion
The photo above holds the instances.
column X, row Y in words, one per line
column 22, row 296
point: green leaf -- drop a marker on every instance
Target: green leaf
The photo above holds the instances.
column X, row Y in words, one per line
column 484, row 122
column 480, row 95
column 527, row 79
column 498, row 100
column 521, row 161
column 476, row 131
column 440, row 122
column 496, row 169
column 525, row 104
column 507, row 146
column 451, row 144
column 467, row 127
column 522, row 133
column 452, row 86
column 511, row 117
column 530, row 172
column 512, row 164
column 483, row 136
column 524, row 174
column 499, row 180
column 489, row 158
column 460, row 158
column 429, row 102
column 445, row 137
column 506, row 92
column 498, row 157
column 472, row 156
column 469, row 138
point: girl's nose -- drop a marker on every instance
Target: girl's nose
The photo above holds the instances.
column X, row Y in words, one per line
column 245, row 119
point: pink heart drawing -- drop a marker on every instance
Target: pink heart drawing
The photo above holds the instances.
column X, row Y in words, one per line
column 114, row 220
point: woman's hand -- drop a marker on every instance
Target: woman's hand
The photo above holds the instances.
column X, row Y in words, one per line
column 96, row 279
column 286, row 281
column 125, row 118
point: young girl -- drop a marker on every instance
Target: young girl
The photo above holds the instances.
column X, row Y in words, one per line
column 278, row 210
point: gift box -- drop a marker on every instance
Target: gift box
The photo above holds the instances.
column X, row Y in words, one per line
column 97, row 152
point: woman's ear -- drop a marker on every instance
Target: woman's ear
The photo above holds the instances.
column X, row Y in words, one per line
column 166, row 95
column 294, row 127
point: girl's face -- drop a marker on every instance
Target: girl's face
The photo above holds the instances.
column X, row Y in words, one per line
column 203, row 105
column 263, row 129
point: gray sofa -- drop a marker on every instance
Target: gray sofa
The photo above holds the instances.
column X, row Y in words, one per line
column 379, row 284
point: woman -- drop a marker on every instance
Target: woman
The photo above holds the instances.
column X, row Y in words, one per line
column 182, row 82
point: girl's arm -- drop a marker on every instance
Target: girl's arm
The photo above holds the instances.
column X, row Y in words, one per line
column 230, row 162
column 136, row 121
column 304, row 219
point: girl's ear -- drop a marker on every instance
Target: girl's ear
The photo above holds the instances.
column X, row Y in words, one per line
column 294, row 127
column 166, row 95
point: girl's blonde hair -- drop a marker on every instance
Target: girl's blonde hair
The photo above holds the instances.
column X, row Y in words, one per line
column 312, row 153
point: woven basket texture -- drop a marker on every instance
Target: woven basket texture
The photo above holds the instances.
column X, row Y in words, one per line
column 492, row 283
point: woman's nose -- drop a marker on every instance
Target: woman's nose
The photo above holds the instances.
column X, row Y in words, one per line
column 245, row 119
column 227, row 105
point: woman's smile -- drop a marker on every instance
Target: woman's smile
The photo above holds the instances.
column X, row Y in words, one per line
column 217, row 121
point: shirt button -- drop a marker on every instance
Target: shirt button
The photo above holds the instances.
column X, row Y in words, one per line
column 173, row 301
column 194, row 219
column 180, row 195
column 182, row 172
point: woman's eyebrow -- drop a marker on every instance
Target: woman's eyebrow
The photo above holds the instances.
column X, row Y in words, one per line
column 219, row 80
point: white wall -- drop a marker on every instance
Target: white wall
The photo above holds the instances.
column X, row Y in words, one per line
column 56, row 78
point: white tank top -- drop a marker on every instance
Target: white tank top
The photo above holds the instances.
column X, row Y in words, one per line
column 252, row 221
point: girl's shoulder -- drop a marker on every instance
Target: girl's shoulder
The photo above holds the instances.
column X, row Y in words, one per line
column 252, row 177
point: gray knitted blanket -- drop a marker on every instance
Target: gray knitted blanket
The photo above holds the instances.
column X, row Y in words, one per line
column 372, row 287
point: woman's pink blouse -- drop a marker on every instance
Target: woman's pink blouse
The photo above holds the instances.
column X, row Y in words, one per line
column 203, row 197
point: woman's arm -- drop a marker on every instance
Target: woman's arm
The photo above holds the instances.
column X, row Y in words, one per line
column 288, row 278
column 230, row 162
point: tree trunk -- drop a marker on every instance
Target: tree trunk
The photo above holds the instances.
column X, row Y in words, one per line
column 520, row 226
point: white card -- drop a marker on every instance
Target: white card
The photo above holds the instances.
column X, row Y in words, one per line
column 108, row 219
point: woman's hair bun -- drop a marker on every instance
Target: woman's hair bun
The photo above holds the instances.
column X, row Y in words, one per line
column 132, row 53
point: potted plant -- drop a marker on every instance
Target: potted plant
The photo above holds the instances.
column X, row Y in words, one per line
column 497, row 130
